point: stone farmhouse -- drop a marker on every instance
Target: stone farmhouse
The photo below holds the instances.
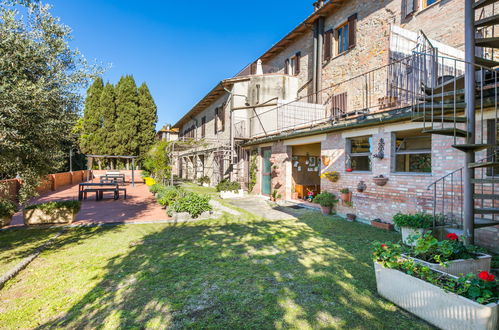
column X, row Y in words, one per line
column 371, row 93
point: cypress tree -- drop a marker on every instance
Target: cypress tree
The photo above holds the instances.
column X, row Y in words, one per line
column 109, row 116
column 91, row 118
column 127, row 110
column 147, row 120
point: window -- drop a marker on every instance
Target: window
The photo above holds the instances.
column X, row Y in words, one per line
column 427, row 3
column 412, row 151
column 492, row 139
column 345, row 35
column 203, row 127
column 359, row 151
column 292, row 65
column 219, row 119
column 342, row 37
column 339, row 105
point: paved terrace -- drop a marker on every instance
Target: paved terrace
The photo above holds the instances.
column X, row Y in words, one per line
column 140, row 206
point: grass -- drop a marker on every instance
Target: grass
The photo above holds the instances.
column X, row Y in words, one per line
column 314, row 272
column 16, row 245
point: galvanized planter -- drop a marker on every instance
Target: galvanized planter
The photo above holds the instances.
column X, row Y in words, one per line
column 41, row 217
column 443, row 309
column 460, row 266
column 5, row 221
column 408, row 231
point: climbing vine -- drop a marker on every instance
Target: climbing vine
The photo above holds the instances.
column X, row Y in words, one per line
column 252, row 170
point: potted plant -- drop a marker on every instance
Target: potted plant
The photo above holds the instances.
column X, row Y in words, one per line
column 294, row 194
column 204, row 181
column 412, row 224
column 346, row 195
column 449, row 256
column 378, row 223
column 51, row 213
column 275, row 195
column 380, row 180
column 326, row 200
column 276, row 170
column 446, row 301
column 7, row 210
column 333, row 176
column 351, row 217
column 229, row 189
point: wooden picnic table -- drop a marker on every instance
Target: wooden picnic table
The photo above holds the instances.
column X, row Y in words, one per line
column 99, row 189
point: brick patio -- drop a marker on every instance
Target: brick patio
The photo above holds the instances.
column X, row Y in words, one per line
column 140, row 206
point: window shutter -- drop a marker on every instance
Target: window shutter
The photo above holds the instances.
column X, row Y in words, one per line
column 328, row 45
column 297, row 68
column 222, row 117
column 286, row 66
column 216, row 120
column 352, row 30
column 203, row 127
column 410, row 6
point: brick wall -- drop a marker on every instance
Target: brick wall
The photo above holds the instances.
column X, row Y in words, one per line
column 51, row 182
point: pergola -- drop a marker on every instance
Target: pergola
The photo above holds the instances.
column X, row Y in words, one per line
column 90, row 160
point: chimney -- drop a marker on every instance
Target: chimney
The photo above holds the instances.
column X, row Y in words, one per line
column 318, row 5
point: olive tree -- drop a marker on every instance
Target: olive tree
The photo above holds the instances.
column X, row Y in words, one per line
column 41, row 78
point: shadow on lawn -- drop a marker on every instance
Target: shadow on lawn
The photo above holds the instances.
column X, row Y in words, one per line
column 315, row 272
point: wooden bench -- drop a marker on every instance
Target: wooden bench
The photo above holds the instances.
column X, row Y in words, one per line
column 99, row 189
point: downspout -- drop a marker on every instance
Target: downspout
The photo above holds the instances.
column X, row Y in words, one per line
column 314, row 71
column 320, row 46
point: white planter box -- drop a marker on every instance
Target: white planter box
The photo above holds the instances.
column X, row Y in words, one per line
column 231, row 194
column 408, row 231
column 443, row 309
column 460, row 266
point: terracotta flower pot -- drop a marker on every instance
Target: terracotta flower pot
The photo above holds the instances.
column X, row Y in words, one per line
column 294, row 196
column 326, row 160
column 326, row 210
column 346, row 197
column 380, row 180
column 382, row 225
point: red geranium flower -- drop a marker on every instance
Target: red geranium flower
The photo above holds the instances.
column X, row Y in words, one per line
column 452, row 237
column 486, row 276
column 383, row 246
column 349, row 170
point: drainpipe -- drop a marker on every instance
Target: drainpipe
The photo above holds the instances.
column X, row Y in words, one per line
column 469, row 174
column 314, row 71
column 320, row 44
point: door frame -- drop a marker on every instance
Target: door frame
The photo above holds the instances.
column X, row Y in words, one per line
column 265, row 174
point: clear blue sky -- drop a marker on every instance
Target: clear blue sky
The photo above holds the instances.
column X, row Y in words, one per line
column 181, row 49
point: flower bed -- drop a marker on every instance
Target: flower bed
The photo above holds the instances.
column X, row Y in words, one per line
column 412, row 224
column 63, row 212
column 450, row 255
column 433, row 304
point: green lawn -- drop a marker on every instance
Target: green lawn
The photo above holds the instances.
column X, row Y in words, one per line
column 227, row 273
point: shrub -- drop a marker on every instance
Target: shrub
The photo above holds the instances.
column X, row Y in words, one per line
column 333, row 176
column 192, row 203
column 325, row 199
column 418, row 220
column 73, row 206
column 149, row 181
column 226, row 185
column 483, row 288
column 204, row 180
column 345, row 191
column 156, row 188
column 168, row 195
column 7, row 208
